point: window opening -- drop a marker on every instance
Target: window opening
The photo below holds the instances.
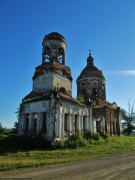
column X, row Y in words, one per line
column 27, row 122
column 84, row 123
column 98, row 126
column 44, row 122
column 105, row 127
column 76, row 123
column 95, row 92
column 66, row 124
column 35, row 122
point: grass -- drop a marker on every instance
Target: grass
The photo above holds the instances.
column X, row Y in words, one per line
column 21, row 159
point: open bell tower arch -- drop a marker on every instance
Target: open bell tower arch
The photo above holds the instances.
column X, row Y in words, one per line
column 54, row 48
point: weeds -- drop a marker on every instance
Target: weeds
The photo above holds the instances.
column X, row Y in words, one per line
column 74, row 149
column 76, row 140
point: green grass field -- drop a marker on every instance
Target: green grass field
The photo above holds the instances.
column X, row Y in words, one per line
column 21, row 159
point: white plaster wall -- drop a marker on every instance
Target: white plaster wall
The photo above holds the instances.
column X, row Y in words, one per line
column 36, row 107
column 61, row 81
column 43, row 82
column 49, row 81
column 39, row 108
column 72, row 110
column 55, row 117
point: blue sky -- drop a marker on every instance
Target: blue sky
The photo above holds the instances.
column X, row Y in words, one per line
column 105, row 26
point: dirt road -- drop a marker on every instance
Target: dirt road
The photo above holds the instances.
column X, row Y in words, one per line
column 115, row 167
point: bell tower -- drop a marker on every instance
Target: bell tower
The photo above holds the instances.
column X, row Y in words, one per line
column 53, row 73
column 54, row 47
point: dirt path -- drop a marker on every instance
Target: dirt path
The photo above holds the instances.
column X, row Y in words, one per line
column 115, row 167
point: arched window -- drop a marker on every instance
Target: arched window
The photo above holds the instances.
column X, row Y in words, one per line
column 63, row 90
column 60, row 55
column 95, row 92
column 47, row 50
column 83, row 84
column 47, row 54
column 94, row 83
column 83, row 92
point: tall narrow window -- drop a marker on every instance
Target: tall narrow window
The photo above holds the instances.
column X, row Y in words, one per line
column 84, row 123
column 95, row 92
column 27, row 122
column 66, row 124
column 98, row 126
column 110, row 126
column 114, row 127
column 60, row 59
column 60, row 55
column 44, row 123
column 105, row 126
column 47, row 58
column 35, row 122
column 76, row 123
column 83, row 92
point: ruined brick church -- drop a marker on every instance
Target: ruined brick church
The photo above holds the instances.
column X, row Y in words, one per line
column 50, row 111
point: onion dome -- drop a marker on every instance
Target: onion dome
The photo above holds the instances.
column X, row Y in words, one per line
column 90, row 70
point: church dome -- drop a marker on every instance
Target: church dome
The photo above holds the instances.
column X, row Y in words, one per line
column 90, row 70
column 91, row 82
column 54, row 36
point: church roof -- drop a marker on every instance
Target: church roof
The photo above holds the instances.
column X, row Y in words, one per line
column 90, row 70
column 54, row 36
column 55, row 67
column 35, row 96
column 70, row 99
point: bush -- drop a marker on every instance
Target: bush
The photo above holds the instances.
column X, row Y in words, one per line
column 74, row 141
column 104, row 135
column 92, row 135
column 59, row 144
column 95, row 136
column 73, row 144
column 22, row 143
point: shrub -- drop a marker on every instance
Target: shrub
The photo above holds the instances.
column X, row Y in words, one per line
column 74, row 141
column 22, row 143
column 95, row 136
column 73, row 144
column 104, row 135
column 59, row 144
column 74, row 137
column 92, row 135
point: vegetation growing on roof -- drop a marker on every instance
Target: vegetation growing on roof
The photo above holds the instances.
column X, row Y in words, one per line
column 111, row 106
column 81, row 99
column 95, row 105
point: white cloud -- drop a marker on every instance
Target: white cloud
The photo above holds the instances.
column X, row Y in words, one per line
column 126, row 72
column 130, row 72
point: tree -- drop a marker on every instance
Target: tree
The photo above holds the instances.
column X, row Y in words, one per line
column 128, row 118
column 1, row 129
column 15, row 128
